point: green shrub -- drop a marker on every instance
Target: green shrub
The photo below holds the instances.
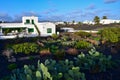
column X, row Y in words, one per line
column 95, row 61
column 55, row 36
column 110, row 34
column 31, row 57
column 82, row 45
column 83, row 34
column 12, row 66
column 26, row 48
column 54, row 49
column 60, row 54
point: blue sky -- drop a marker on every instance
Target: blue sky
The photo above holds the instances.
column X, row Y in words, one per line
column 59, row 10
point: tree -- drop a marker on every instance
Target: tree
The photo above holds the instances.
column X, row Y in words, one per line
column 65, row 23
column 79, row 23
column 97, row 20
column 104, row 17
column 73, row 21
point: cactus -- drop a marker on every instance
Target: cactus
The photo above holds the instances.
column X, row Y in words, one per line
column 75, row 74
column 60, row 75
column 46, row 74
column 28, row 72
column 28, row 77
column 38, row 75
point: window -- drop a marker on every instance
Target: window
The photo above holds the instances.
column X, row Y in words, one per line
column 49, row 30
column 32, row 21
column 27, row 21
column 30, row 30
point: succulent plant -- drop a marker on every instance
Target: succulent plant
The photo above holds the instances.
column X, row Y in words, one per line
column 28, row 77
column 26, row 48
column 30, row 73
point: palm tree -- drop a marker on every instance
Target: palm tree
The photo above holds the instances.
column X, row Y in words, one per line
column 104, row 17
column 97, row 20
column 73, row 21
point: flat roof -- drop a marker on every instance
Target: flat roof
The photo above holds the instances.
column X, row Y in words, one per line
column 14, row 25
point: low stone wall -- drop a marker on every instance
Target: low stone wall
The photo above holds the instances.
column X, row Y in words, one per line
column 8, row 37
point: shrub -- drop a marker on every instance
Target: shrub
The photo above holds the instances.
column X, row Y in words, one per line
column 95, row 61
column 110, row 34
column 31, row 57
column 55, row 36
column 83, row 34
column 72, row 51
column 12, row 66
column 25, row 48
column 82, row 45
column 68, row 43
column 60, row 54
column 54, row 49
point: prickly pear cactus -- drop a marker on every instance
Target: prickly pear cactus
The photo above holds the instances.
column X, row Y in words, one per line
column 28, row 77
column 38, row 75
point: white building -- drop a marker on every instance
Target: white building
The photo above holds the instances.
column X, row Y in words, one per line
column 88, row 22
column 103, row 21
column 59, row 23
column 66, row 29
column 29, row 27
column 109, row 21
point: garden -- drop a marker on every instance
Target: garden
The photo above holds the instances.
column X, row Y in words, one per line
column 68, row 56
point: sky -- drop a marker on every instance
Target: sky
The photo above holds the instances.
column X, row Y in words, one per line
column 59, row 10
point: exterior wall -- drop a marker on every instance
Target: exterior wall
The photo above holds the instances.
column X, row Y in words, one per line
column 68, row 29
column 88, row 22
column 106, row 21
column 59, row 23
column 44, row 26
column 31, row 26
column 30, row 18
column 103, row 21
column 12, row 25
column 109, row 21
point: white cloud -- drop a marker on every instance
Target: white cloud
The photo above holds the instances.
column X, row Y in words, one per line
column 110, row 1
column 5, row 17
column 91, row 7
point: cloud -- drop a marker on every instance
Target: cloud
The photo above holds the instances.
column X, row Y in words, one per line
column 110, row 1
column 91, row 7
column 5, row 17
column 53, row 15
column 49, row 11
column 18, row 17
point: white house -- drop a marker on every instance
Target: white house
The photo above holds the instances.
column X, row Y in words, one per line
column 103, row 21
column 88, row 22
column 109, row 21
column 59, row 23
column 66, row 29
column 29, row 27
